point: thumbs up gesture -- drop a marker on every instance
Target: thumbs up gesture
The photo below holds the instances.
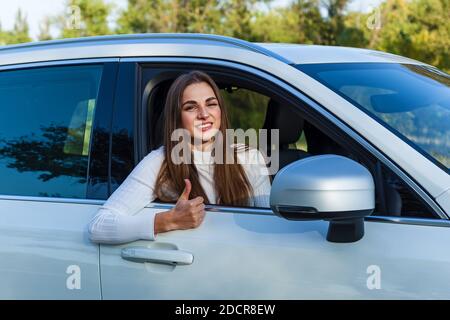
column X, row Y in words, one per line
column 186, row 214
column 186, row 191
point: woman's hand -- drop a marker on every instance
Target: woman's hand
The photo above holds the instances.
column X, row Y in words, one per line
column 186, row 214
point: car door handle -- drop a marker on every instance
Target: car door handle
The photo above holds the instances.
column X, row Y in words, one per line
column 143, row 254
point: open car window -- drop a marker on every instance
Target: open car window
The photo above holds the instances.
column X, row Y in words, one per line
column 250, row 107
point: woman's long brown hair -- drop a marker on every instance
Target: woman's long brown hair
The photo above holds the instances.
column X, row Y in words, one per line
column 230, row 181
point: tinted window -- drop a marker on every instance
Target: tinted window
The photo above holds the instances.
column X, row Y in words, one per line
column 413, row 101
column 46, row 117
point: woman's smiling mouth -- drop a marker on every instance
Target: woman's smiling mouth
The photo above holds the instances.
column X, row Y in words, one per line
column 205, row 126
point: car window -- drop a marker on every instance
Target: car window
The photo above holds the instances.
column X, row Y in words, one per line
column 393, row 196
column 46, row 117
column 412, row 101
column 259, row 108
column 246, row 108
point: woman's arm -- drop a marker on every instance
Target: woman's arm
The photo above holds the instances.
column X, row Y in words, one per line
column 119, row 219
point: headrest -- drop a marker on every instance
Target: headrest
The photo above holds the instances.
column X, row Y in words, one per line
column 156, row 103
column 286, row 120
column 158, row 133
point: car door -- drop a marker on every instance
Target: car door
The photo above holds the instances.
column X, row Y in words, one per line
column 250, row 253
column 54, row 122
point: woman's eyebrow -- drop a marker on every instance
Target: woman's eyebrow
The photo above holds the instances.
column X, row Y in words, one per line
column 194, row 102
column 189, row 101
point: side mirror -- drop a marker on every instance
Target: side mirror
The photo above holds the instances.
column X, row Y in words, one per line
column 325, row 187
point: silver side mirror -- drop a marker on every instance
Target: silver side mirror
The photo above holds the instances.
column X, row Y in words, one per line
column 326, row 187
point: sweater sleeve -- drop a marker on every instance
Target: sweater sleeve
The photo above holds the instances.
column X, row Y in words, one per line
column 120, row 219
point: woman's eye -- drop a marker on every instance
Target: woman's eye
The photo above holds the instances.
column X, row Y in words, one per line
column 212, row 105
column 189, row 108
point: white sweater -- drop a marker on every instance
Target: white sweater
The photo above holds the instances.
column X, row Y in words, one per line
column 120, row 218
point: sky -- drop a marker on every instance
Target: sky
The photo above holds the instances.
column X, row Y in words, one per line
column 36, row 10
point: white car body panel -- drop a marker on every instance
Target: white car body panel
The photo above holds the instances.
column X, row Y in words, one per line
column 267, row 257
column 444, row 200
column 236, row 255
column 307, row 54
column 39, row 242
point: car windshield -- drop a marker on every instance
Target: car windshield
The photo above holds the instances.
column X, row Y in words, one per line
column 411, row 100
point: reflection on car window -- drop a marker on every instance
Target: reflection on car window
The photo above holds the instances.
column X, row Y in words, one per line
column 46, row 117
column 413, row 101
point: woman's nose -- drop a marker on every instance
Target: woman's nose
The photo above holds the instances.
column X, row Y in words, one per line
column 203, row 112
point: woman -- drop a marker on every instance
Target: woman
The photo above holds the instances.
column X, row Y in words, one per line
column 195, row 107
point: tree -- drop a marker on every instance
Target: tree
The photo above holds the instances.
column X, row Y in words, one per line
column 417, row 29
column 44, row 153
column 414, row 28
column 302, row 21
column 83, row 18
column 147, row 16
column 20, row 32
column 2, row 36
column 299, row 22
column 44, row 30
column 225, row 17
column 276, row 25
column 237, row 17
column 333, row 24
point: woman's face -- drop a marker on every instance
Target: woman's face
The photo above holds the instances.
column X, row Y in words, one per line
column 200, row 112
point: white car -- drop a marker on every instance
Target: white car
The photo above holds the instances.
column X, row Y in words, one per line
column 359, row 210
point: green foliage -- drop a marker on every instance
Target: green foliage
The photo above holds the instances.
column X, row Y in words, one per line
column 44, row 30
column 417, row 29
column 19, row 33
column 143, row 16
column 84, row 18
column 246, row 108
column 414, row 28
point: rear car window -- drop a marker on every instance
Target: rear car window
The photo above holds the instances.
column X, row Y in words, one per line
column 46, row 117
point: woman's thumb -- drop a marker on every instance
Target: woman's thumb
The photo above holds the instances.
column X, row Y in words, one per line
column 187, row 190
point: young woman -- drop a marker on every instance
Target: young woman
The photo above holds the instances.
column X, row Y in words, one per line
column 190, row 178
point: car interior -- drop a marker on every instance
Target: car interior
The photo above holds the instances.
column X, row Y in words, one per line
column 393, row 197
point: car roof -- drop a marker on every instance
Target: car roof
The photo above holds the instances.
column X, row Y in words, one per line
column 121, row 45
column 307, row 54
